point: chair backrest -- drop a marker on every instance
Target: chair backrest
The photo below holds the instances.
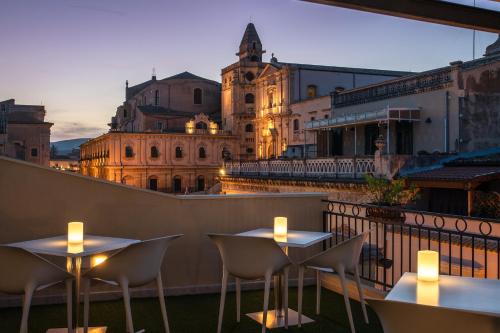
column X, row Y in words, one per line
column 346, row 253
column 138, row 263
column 249, row 257
column 397, row 317
column 20, row 268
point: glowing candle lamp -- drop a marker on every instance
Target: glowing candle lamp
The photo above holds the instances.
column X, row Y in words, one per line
column 428, row 266
column 280, row 227
column 97, row 259
column 75, row 232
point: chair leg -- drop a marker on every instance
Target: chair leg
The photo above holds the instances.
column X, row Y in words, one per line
column 222, row 299
column 285, row 294
column 69, row 306
column 238, row 300
column 343, row 282
column 28, row 295
column 318, row 291
column 128, row 310
column 86, row 304
column 300, row 292
column 161, row 298
column 276, row 292
column 361, row 294
column 267, row 287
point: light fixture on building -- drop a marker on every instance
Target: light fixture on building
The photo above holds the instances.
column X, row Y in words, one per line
column 75, row 237
column 222, row 172
column 428, row 266
column 280, row 228
column 98, row 259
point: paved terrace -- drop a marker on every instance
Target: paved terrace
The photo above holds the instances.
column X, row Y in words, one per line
column 38, row 202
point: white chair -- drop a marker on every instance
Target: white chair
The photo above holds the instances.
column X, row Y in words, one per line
column 134, row 266
column 397, row 317
column 342, row 258
column 24, row 272
column 251, row 258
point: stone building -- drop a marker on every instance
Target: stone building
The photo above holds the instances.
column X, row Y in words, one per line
column 24, row 133
column 258, row 98
column 167, row 162
column 166, row 104
column 445, row 110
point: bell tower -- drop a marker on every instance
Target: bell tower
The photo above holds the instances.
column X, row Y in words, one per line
column 250, row 46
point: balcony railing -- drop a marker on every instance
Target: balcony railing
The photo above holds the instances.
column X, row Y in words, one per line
column 467, row 246
column 350, row 167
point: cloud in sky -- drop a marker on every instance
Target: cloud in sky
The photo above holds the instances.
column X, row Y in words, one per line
column 71, row 130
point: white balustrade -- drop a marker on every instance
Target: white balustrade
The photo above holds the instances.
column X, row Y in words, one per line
column 314, row 168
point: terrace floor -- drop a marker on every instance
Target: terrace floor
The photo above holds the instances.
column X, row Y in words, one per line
column 188, row 314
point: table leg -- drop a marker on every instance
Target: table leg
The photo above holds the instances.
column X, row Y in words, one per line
column 74, row 265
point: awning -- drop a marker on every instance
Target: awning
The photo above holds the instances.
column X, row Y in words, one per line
column 378, row 116
column 455, row 176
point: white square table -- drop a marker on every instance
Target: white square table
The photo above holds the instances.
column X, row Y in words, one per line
column 58, row 246
column 451, row 292
column 298, row 239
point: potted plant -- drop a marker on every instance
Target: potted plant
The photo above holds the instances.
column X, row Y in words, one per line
column 387, row 197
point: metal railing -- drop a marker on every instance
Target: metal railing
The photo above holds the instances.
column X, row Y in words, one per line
column 351, row 167
column 467, row 246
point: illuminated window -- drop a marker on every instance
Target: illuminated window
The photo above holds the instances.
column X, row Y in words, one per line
column 178, row 152
column 202, row 153
column 249, row 99
column 311, row 91
column 129, row 152
column 157, row 97
column 154, row 152
column 197, row 96
column 296, row 125
column 249, row 128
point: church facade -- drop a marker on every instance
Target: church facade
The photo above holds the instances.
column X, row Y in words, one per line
column 259, row 99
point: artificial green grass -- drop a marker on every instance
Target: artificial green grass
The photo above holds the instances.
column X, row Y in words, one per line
column 188, row 314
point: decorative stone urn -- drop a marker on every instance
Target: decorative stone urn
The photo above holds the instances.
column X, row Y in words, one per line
column 380, row 143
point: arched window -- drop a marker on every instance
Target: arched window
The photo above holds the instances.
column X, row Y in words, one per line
column 249, row 98
column 200, row 183
column 311, row 91
column 157, row 97
column 202, row 153
column 248, row 128
column 178, row 152
column 153, row 184
column 177, row 184
column 226, row 154
column 249, row 76
column 296, row 125
column 201, row 125
column 154, row 152
column 129, row 152
column 197, row 96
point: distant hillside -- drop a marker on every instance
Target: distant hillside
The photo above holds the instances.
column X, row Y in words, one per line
column 66, row 146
